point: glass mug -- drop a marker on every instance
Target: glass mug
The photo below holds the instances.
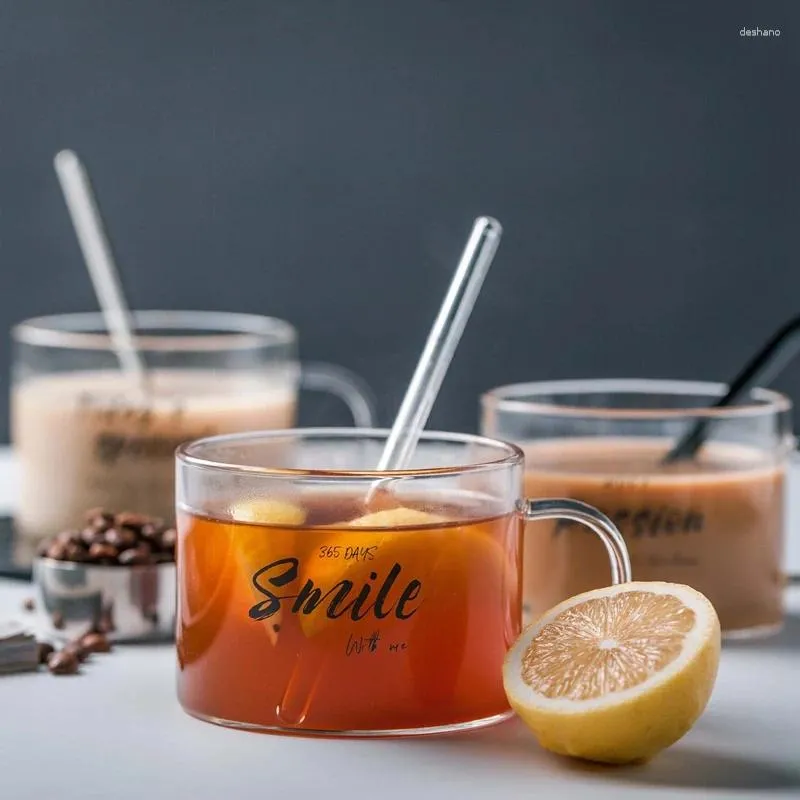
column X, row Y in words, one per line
column 715, row 521
column 88, row 435
column 318, row 596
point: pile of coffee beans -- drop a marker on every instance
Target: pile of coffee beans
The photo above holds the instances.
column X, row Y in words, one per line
column 124, row 539
column 67, row 661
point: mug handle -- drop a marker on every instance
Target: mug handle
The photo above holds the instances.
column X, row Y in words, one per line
column 341, row 383
column 596, row 521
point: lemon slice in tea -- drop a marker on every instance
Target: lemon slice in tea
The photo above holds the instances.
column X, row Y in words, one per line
column 616, row 674
column 256, row 546
column 428, row 547
column 397, row 535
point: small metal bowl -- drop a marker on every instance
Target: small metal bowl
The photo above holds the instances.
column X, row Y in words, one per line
column 136, row 603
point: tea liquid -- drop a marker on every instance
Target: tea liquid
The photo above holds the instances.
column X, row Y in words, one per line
column 715, row 523
column 333, row 628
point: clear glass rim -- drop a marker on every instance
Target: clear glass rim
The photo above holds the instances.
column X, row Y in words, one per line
column 509, row 455
column 195, row 331
column 518, row 398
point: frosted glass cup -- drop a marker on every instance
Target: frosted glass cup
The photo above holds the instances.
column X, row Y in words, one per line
column 88, row 435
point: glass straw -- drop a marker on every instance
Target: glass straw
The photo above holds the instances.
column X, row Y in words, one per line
column 441, row 344
column 99, row 260
column 412, row 416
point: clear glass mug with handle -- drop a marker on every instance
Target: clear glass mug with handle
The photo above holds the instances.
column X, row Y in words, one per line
column 715, row 521
column 318, row 595
column 86, row 435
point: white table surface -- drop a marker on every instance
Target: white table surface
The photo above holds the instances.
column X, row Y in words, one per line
column 117, row 732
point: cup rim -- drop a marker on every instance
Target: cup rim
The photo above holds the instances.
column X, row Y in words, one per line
column 512, row 454
column 195, row 331
column 507, row 399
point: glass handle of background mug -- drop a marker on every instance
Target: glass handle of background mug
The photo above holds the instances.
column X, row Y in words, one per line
column 348, row 387
column 593, row 519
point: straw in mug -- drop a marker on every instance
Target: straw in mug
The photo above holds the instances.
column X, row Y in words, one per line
column 99, row 260
column 413, row 414
column 441, row 345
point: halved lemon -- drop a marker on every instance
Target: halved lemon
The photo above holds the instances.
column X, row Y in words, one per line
column 616, row 674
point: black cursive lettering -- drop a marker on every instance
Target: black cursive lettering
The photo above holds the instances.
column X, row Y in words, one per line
column 266, row 608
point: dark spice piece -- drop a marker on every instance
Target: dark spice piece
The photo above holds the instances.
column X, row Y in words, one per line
column 57, row 619
column 29, row 604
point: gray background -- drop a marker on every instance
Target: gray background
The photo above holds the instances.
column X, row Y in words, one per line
column 322, row 161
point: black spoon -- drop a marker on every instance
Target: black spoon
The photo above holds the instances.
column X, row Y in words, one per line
column 779, row 350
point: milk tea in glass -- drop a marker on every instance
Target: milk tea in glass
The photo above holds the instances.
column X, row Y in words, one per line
column 714, row 521
column 87, row 434
column 318, row 596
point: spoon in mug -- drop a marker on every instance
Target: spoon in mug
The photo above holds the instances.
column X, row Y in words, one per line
column 761, row 369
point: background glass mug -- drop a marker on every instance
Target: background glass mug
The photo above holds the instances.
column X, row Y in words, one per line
column 88, row 435
column 715, row 521
column 318, row 596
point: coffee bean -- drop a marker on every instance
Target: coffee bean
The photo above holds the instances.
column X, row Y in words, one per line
column 101, row 551
column 45, row 651
column 63, row 663
column 150, row 531
column 57, row 620
column 168, row 539
column 128, row 519
column 121, row 538
column 94, row 642
column 98, row 514
column 56, row 550
column 77, row 650
column 29, row 604
column 136, row 556
column 91, row 535
column 75, row 552
column 68, row 537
